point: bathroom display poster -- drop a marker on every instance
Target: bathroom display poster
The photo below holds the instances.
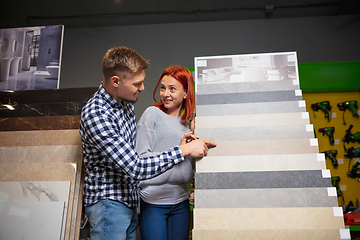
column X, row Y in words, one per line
column 30, row 58
column 246, row 68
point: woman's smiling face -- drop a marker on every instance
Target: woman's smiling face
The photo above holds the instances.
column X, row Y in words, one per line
column 172, row 94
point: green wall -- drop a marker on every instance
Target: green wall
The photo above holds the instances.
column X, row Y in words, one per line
column 329, row 76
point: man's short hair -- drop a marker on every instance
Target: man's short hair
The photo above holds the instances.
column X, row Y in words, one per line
column 123, row 62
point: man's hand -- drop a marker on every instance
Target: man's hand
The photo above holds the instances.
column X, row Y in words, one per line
column 196, row 148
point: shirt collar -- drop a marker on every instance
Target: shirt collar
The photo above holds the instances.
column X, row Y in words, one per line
column 127, row 107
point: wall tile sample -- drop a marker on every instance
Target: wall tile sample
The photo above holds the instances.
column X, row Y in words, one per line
column 52, row 109
column 250, row 108
column 265, row 198
column 242, row 87
column 256, row 133
column 40, row 141
column 277, row 119
column 41, row 154
column 267, row 218
column 265, row 179
column 31, row 220
column 44, row 191
column 268, row 234
column 278, row 162
column 262, row 179
column 263, row 147
column 247, row 97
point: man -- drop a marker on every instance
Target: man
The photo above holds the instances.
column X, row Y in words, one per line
column 113, row 168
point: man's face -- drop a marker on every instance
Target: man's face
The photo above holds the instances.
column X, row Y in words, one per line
column 130, row 89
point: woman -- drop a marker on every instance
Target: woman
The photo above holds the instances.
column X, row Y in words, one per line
column 164, row 203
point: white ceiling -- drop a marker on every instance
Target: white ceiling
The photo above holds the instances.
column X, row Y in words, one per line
column 93, row 13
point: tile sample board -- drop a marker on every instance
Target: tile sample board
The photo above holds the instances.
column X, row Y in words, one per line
column 41, row 191
column 31, row 220
column 266, row 178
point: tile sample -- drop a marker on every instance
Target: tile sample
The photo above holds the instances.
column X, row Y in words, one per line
column 251, row 120
column 31, row 220
column 41, row 154
column 267, row 218
column 44, row 109
column 265, row 198
column 268, row 234
column 263, row 179
column 256, row 133
column 263, row 147
column 48, row 96
column 39, row 123
column 44, row 191
column 40, row 138
column 10, row 172
column 250, row 108
column 266, row 178
column 275, row 162
column 255, row 97
column 242, row 87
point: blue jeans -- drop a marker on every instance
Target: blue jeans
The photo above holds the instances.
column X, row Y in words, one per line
column 164, row 222
column 111, row 220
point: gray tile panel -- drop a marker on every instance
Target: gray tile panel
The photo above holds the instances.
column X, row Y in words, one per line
column 254, row 133
column 229, row 98
column 265, row 198
column 242, row 87
column 250, row 108
column 271, row 179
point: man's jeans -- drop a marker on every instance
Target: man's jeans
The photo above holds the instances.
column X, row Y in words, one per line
column 111, row 220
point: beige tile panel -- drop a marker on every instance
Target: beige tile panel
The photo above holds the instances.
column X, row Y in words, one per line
column 40, row 138
column 38, row 171
column 263, row 147
column 49, row 172
column 279, row 162
column 267, row 218
column 41, row 154
column 267, row 234
column 278, row 119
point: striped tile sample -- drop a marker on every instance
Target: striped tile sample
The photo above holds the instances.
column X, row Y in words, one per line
column 40, row 141
column 266, row 178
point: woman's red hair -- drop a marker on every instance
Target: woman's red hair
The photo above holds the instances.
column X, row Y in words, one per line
column 185, row 77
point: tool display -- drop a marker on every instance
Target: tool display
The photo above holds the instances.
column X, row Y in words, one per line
column 351, row 137
column 323, row 106
column 352, row 152
column 329, row 131
column 354, row 171
column 335, row 182
column 351, row 105
column 331, row 154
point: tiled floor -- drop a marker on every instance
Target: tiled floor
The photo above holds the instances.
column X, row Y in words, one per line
column 29, row 80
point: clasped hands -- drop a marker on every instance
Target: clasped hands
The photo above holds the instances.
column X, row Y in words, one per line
column 194, row 147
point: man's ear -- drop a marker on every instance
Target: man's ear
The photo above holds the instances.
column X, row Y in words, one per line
column 115, row 81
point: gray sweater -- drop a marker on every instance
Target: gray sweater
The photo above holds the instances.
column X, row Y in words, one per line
column 157, row 132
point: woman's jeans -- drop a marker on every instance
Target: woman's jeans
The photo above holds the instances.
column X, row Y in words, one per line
column 164, row 222
column 111, row 220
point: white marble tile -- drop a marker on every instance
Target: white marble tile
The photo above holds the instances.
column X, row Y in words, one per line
column 31, row 220
column 42, row 191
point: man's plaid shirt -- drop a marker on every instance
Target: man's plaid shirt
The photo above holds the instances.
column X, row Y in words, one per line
column 113, row 168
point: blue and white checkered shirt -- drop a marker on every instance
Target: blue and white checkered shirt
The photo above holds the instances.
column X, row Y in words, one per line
column 113, row 168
